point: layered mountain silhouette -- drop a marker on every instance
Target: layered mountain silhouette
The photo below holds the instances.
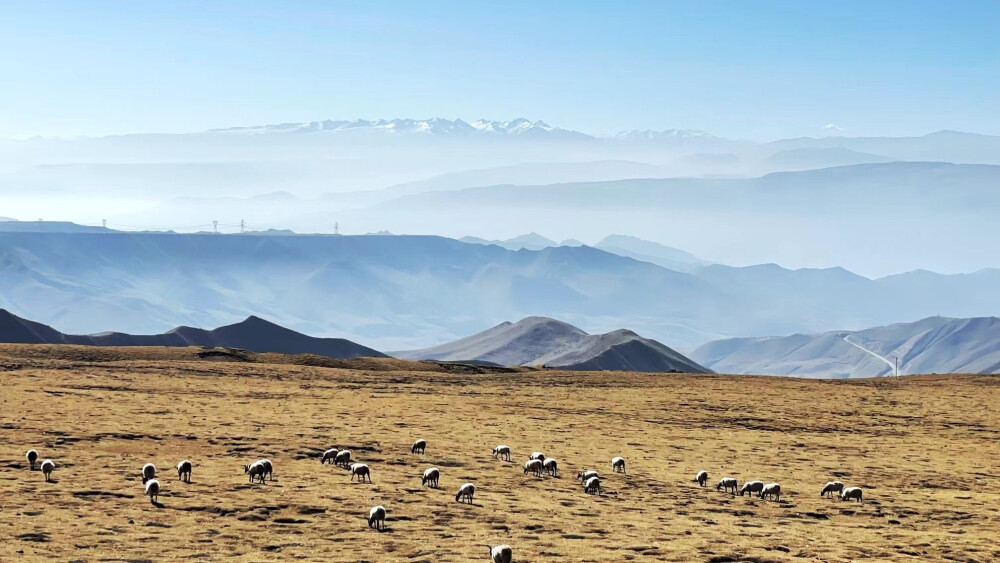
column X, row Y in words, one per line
column 254, row 334
column 931, row 345
column 543, row 341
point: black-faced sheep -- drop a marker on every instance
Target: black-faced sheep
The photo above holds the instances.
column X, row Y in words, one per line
column 501, row 553
column 727, row 483
column 831, row 488
column 468, row 490
column 376, row 517
column 618, row 464
column 418, row 447
column 148, row 472
column 593, row 485
column 534, row 466
column 701, row 478
column 751, row 487
column 330, row 455
column 772, row 490
column 852, row 493
column 502, row 451
column 153, row 490
column 32, row 456
column 184, row 471
column 47, row 468
column 551, row 466
column 431, row 477
column 343, row 458
column 361, row 471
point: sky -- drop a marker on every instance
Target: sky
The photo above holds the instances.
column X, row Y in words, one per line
column 756, row 70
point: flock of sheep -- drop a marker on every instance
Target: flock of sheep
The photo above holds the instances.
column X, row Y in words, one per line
column 537, row 464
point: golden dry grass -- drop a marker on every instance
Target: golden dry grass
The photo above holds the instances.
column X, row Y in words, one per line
column 925, row 450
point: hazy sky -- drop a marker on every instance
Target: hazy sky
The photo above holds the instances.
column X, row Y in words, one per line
column 759, row 70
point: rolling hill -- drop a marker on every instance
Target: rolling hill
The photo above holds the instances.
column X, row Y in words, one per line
column 254, row 334
column 542, row 341
column 931, row 345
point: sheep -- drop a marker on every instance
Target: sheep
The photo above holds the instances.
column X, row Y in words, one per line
column 343, row 458
column 255, row 469
column 727, row 483
column 32, row 456
column 468, row 490
column 47, row 467
column 431, row 476
column 751, row 487
column 268, row 469
column 771, row 490
column 586, row 474
column 832, row 487
column 330, row 454
column 534, row 466
column 153, row 490
column 184, row 471
column 501, row 553
column 148, row 472
column 551, row 466
column 376, row 518
column 852, row 493
column 537, row 455
column 618, row 464
column 418, row 447
column 702, row 478
column 502, row 451
column 361, row 471
column 593, row 485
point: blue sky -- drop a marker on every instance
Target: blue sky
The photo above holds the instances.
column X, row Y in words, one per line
column 759, row 70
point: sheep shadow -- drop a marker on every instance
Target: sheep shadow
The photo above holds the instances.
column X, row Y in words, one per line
column 158, row 504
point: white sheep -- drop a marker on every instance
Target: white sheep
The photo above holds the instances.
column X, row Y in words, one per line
column 751, row 487
column 153, row 490
column 771, row 490
column 593, row 485
column 184, row 471
column 330, row 454
column 467, row 490
column 551, row 466
column 48, row 466
column 586, row 474
column 832, row 487
column 701, row 478
column 32, row 456
column 501, row 553
column 502, row 451
column 534, row 466
column 618, row 464
column 343, row 458
column 376, row 517
column 537, row 455
column 255, row 469
column 148, row 472
column 727, row 483
column 431, row 476
column 418, row 447
column 361, row 471
column 852, row 493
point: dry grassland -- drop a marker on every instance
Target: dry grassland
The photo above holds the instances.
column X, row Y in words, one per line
column 925, row 449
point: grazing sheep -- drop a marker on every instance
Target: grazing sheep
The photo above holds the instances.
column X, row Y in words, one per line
column 771, row 490
column 537, row 455
column 751, row 487
column 32, row 456
column 586, row 474
column 343, row 458
column 727, row 483
column 502, row 451
column 832, row 487
column 551, row 466
column 47, row 467
column 148, row 472
column 153, row 490
column 184, row 471
column 330, row 454
column 376, row 517
column 534, row 466
column 418, row 447
column 852, row 493
column 255, row 469
column 501, row 553
column 431, row 476
column 361, row 471
column 468, row 490
column 618, row 464
column 702, row 478
column 593, row 485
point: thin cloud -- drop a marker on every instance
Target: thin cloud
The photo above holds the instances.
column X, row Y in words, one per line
column 831, row 128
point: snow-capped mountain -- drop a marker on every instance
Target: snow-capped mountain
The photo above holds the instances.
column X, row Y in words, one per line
column 435, row 126
column 650, row 135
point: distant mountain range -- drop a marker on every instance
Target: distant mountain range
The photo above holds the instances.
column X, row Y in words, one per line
column 254, row 334
column 932, row 345
column 520, row 127
column 539, row 341
column 410, row 292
